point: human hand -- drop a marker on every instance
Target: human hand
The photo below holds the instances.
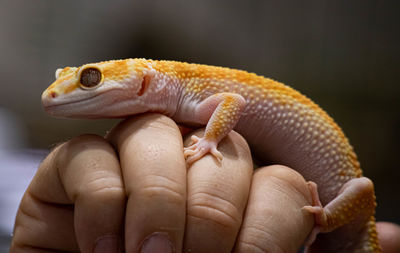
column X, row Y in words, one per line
column 86, row 197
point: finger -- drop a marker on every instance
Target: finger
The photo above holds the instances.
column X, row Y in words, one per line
column 274, row 221
column 44, row 209
column 90, row 172
column 77, row 192
column 389, row 236
column 151, row 154
column 217, row 196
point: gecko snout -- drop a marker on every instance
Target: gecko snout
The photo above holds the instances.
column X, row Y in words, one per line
column 48, row 96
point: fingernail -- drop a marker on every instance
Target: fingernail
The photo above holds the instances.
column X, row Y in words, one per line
column 157, row 242
column 108, row 243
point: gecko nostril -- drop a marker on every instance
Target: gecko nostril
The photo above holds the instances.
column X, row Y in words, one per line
column 53, row 94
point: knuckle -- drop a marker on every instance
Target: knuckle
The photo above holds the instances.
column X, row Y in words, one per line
column 256, row 238
column 284, row 178
column 82, row 143
column 23, row 237
column 17, row 243
column 163, row 122
column 213, row 208
column 156, row 121
column 104, row 187
column 86, row 138
column 91, row 147
column 277, row 171
column 29, row 211
column 160, row 186
column 244, row 246
column 240, row 141
column 33, row 224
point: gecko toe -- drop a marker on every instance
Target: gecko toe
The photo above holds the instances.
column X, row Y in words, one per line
column 200, row 148
column 195, row 155
column 214, row 151
column 194, row 138
column 188, row 152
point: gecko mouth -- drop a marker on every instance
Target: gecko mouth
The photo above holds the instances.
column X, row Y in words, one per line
column 85, row 107
column 65, row 108
column 48, row 102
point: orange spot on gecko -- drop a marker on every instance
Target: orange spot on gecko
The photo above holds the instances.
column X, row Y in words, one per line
column 115, row 70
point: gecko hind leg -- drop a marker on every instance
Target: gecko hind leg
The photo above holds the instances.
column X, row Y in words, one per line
column 356, row 199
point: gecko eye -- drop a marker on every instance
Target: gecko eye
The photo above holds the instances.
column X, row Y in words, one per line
column 90, row 78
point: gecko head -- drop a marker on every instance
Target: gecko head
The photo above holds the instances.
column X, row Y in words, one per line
column 100, row 90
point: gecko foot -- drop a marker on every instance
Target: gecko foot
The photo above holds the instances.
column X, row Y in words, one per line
column 200, row 148
column 319, row 214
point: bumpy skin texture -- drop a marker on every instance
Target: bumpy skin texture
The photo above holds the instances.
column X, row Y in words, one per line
column 281, row 125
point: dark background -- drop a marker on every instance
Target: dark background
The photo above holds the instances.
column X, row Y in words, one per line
column 342, row 54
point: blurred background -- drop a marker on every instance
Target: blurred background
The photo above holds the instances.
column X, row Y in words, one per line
column 342, row 54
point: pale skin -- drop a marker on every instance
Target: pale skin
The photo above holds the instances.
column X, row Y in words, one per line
column 113, row 193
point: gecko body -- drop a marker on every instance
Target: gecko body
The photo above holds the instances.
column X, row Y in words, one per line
column 280, row 124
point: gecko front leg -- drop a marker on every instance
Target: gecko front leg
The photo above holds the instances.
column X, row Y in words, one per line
column 221, row 111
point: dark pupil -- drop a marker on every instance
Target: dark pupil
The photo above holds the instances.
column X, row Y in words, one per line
column 90, row 77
